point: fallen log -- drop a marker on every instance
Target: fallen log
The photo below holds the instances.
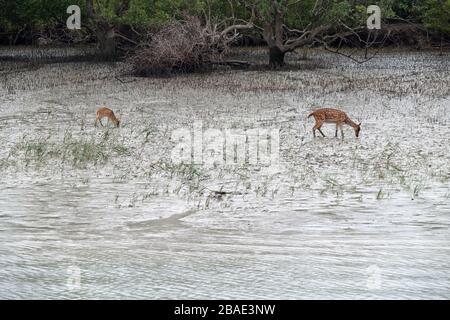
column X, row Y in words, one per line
column 232, row 63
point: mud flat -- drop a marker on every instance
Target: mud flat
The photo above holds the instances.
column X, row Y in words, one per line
column 91, row 212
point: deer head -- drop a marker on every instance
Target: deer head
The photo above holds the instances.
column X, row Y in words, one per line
column 357, row 129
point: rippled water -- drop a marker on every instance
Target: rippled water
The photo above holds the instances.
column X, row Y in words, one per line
column 339, row 220
column 164, row 250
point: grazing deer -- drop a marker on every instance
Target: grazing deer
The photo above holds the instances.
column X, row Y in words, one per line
column 328, row 115
column 108, row 113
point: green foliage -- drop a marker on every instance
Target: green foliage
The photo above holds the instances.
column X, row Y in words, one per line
column 434, row 14
column 138, row 13
column 145, row 13
column 340, row 10
column 36, row 13
column 411, row 10
column 437, row 15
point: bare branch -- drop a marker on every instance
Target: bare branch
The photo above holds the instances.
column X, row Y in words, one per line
column 306, row 38
column 237, row 27
column 117, row 34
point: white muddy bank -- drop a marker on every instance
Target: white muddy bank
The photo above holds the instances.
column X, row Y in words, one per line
column 111, row 202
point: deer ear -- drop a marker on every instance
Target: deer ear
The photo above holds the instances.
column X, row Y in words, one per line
column 359, row 124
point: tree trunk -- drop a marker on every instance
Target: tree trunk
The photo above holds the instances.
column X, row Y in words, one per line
column 107, row 43
column 276, row 57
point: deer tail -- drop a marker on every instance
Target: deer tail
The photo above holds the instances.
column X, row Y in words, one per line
column 310, row 115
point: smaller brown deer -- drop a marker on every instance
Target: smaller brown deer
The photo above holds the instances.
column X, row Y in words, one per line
column 328, row 115
column 108, row 113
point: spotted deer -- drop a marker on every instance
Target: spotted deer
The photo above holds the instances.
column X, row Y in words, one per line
column 108, row 113
column 328, row 115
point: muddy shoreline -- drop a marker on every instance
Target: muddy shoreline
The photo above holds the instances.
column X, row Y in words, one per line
column 330, row 215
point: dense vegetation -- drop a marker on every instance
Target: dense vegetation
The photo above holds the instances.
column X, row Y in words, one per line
column 283, row 25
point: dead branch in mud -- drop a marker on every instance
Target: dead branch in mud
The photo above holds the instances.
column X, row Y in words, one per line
column 188, row 45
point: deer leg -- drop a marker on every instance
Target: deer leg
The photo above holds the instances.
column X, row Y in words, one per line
column 336, row 132
column 342, row 133
column 96, row 120
column 321, row 132
column 317, row 126
column 314, row 130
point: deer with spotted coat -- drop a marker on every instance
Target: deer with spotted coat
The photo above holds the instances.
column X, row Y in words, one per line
column 329, row 115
